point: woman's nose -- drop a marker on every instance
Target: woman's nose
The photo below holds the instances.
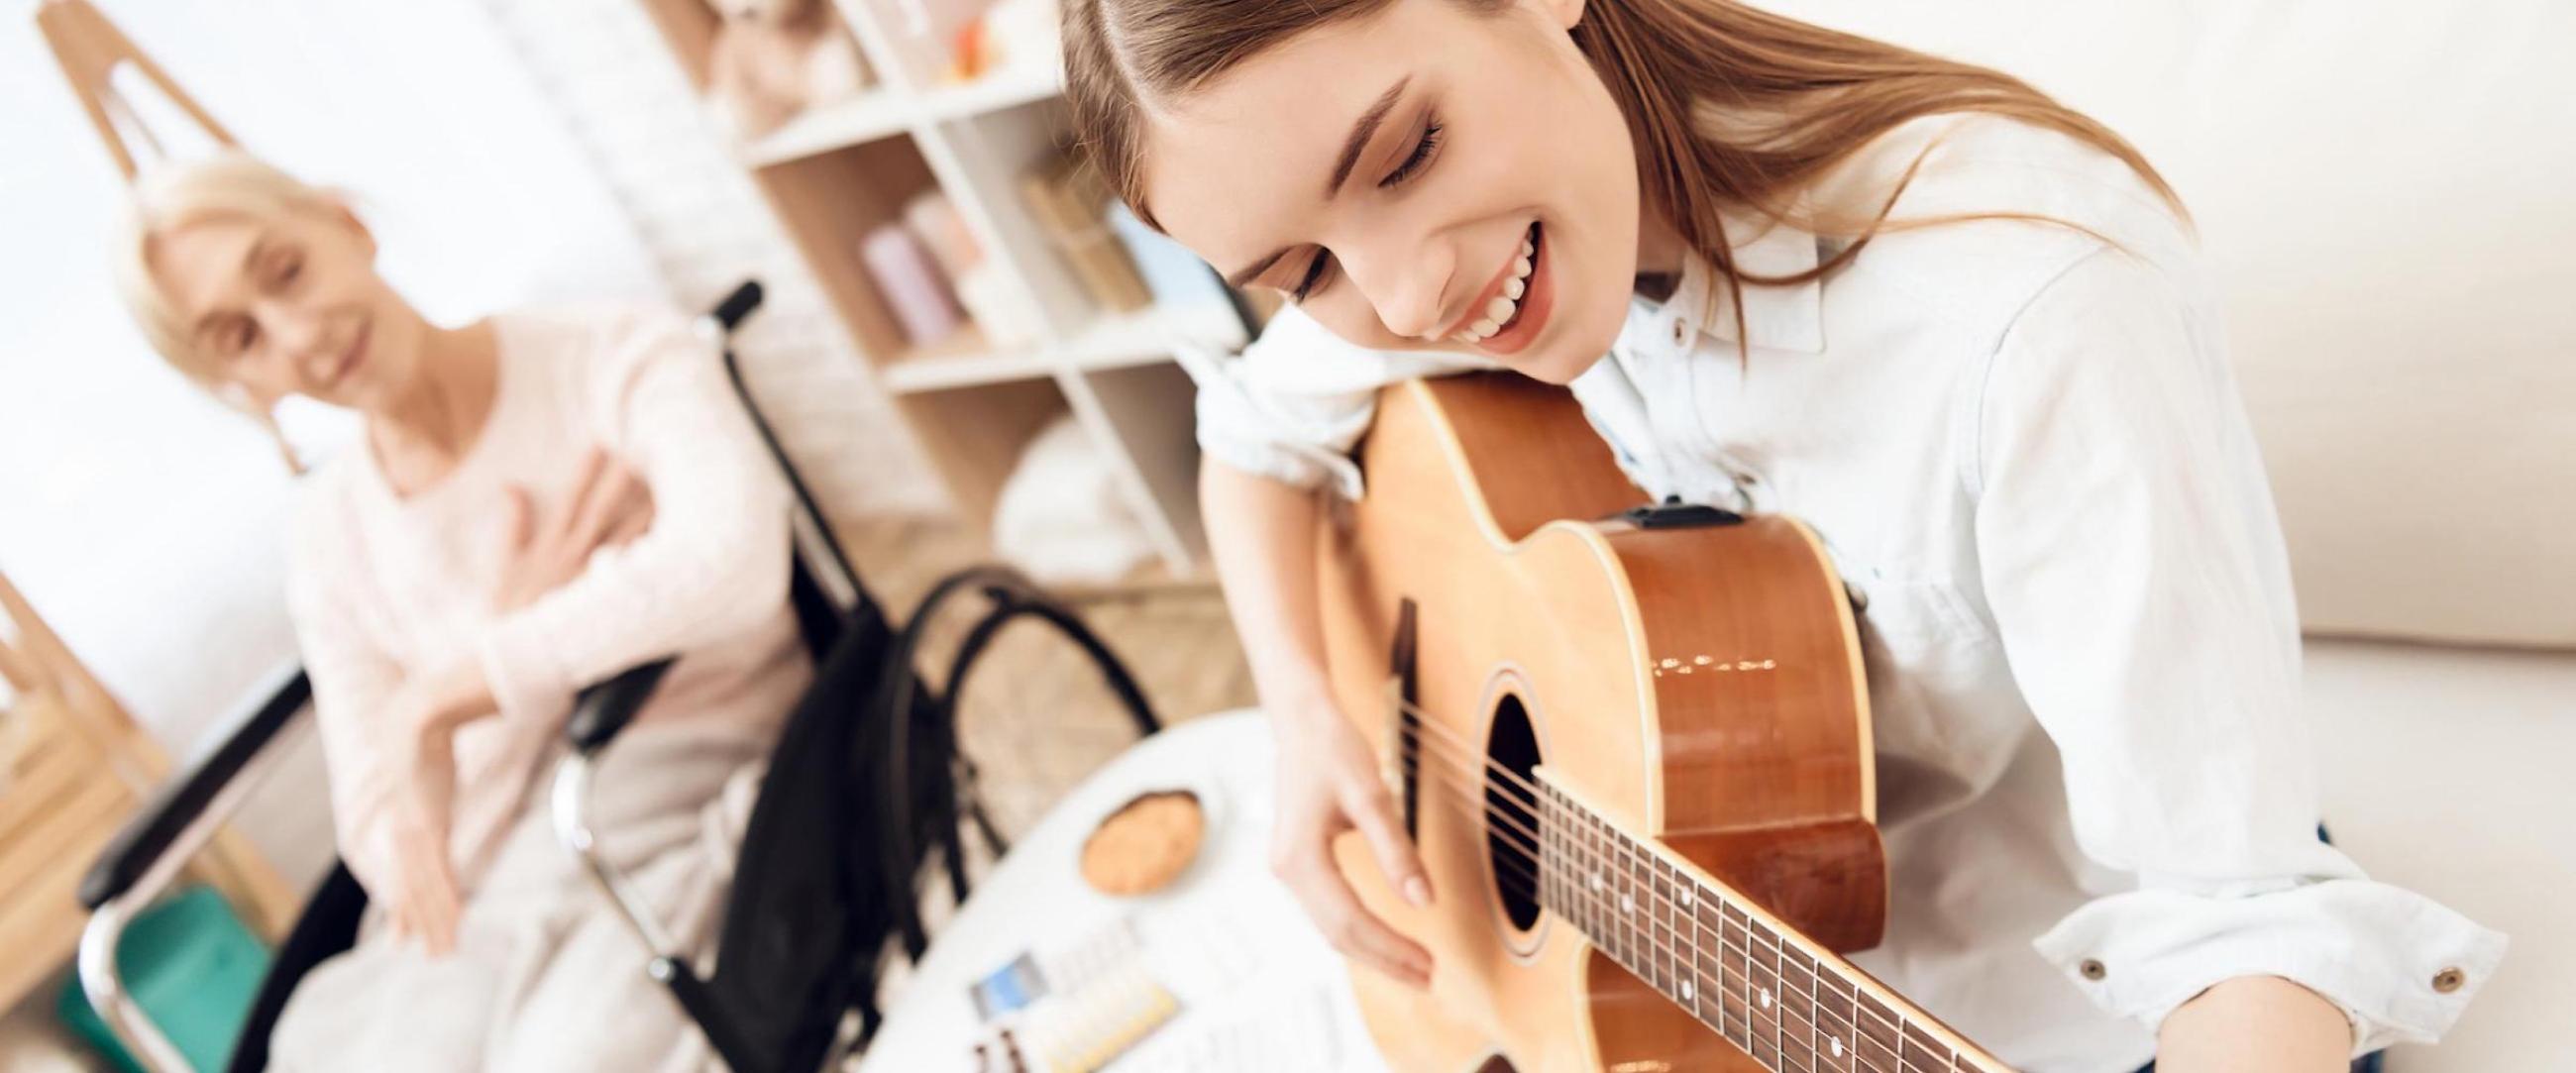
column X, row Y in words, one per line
column 1404, row 282
column 296, row 334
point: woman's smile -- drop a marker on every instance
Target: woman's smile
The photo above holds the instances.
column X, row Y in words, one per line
column 350, row 358
column 1514, row 307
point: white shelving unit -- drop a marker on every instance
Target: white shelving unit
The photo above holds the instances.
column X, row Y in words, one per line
column 842, row 169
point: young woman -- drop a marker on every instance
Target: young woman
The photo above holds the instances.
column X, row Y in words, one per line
column 1956, row 327
column 540, row 500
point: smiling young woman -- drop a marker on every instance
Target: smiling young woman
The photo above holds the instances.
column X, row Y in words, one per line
column 1960, row 330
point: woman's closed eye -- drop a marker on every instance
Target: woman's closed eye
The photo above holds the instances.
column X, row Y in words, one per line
column 1312, row 281
column 284, row 268
column 1425, row 148
column 230, row 337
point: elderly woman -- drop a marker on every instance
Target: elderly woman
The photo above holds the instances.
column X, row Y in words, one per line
column 540, row 500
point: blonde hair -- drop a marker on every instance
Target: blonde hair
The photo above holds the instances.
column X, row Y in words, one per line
column 1727, row 105
column 231, row 184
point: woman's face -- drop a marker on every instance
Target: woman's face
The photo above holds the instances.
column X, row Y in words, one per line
column 291, row 306
column 1388, row 172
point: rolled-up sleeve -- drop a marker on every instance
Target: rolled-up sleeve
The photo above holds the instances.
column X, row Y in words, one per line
column 1295, row 402
column 2133, row 561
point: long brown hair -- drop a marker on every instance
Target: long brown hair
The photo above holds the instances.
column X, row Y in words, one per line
column 1727, row 105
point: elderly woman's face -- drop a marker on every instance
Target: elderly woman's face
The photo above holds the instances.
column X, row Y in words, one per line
column 291, row 306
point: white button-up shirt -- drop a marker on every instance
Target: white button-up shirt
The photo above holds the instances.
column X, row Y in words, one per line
column 2024, row 449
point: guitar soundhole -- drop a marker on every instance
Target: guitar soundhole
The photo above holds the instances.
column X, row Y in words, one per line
column 1511, row 834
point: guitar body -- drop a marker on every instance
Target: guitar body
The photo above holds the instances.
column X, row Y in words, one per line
column 1700, row 686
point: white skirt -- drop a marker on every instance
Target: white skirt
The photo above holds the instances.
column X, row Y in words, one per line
column 545, row 976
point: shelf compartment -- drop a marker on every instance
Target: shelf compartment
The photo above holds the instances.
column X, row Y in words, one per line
column 1108, row 341
column 1146, row 412
column 832, row 201
column 883, row 111
column 974, row 436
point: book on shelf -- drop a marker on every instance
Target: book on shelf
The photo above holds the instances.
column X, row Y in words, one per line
column 1069, row 200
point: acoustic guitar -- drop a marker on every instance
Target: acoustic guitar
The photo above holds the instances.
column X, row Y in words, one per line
column 1633, row 746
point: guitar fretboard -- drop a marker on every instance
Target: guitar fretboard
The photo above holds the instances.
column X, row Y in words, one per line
column 1692, row 939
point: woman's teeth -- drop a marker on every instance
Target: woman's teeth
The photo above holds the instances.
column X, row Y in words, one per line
column 1499, row 312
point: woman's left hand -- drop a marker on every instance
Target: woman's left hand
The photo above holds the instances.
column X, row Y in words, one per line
column 610, row 506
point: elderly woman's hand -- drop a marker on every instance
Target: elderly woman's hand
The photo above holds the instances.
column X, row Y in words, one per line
column 610, row 506
column 425, row 902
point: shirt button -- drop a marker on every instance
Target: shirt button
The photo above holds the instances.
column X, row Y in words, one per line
column 2092, row 970
column 2448, row 980
column 1681, row 331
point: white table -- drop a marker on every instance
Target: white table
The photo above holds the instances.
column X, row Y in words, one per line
column 1258, row 989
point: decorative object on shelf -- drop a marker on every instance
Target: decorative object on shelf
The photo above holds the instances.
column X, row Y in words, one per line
column 911, row 284
column 996, row 307
column 1175, row 275
column 1060, row 516
column 1070, row 200
column 1008, row 34
column 934, row 221
column 775, row 58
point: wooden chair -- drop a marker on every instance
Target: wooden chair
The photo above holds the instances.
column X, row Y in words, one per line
column 79, row 767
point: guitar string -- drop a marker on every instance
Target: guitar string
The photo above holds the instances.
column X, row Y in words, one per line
column 1460, row 798
column 1519, row 880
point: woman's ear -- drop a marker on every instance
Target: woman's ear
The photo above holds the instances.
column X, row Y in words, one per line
column 1565, row 13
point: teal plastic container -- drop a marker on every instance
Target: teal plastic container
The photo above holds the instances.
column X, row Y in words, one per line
column 193, row 967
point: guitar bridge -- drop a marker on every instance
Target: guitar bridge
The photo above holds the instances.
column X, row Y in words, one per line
column 1672, row 513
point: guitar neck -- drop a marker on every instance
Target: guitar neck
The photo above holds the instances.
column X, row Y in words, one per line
column 1778, row 996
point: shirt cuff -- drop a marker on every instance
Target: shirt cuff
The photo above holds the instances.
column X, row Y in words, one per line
column 527, row 682
column 2401, row 966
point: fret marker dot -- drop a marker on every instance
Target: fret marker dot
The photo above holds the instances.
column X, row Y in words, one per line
column 1766, row 998
column 1686, row 991
column 1627, row 904
column 1838, row 1047
column 1597, row 884
column 1685, row 898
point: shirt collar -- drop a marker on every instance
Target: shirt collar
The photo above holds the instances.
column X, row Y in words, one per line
column 1775, row 318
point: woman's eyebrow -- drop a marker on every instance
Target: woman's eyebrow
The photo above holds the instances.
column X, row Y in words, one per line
column 1361, row 132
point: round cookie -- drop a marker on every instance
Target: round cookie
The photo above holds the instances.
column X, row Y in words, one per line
column 1144, row 845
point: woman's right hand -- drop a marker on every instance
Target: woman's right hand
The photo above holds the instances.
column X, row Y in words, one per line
column 1328, row 784
column 425, row 902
